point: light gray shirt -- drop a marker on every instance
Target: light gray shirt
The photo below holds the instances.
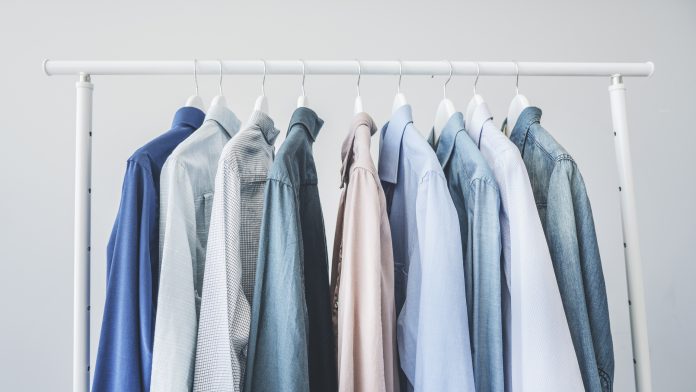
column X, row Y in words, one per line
column 186, row 200
column 230, row 268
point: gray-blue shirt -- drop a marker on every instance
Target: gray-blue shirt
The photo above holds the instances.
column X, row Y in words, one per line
column 476, row 197
column 291, row 346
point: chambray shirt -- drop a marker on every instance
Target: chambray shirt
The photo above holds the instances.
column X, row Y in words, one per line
column 124, row 359
column 188, row 180
column 432, row 326
column 476, row 196
column 291, row 346
column 539, row 354
column 232, row 249
column 566, row 216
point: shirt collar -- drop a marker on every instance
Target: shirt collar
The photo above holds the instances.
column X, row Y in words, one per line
column 262, row 122
column 347, row 156
column 481, row 115
column 188, row 115
column 390, row 143
column 530, row 115
column 225, row 117
column 445, row 145
column 308, row 119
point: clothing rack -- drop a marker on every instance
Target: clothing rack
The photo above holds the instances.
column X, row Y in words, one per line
column 83, row 158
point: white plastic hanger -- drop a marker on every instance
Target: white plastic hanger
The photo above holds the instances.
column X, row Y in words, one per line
column 445, row 109
column 195, row 100
column 517, row 105
column 400, row 98
column 303, row 101
column 358, row 106
column 476, row 100
column 261, row 104
column 220, row 98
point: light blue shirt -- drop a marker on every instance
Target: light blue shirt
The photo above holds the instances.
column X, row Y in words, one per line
column 187, row 183
column 432, row 326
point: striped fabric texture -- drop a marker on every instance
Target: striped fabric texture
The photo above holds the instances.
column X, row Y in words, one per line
column 228, row 283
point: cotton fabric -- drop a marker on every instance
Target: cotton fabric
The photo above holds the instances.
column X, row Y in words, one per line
column 187, row 184
column 476, row 197
column 232, row 249
column 124, row 357
column 291, row 346
column 539, row 353
column 432, row 326
column 362, row 280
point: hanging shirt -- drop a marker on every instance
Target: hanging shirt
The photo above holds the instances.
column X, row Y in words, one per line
column 432, row 328
column 291, row 346
column 566, row 216
column 230, row 266
column 362, row 281
column 188, row 179
column 539, row 354
column 124, row 359
column 476, row 197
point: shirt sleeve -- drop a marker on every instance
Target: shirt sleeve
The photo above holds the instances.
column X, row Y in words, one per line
column 578, row 267
column 176, row 322
column 542, row 354
column 486, row 276
column 434, row 332
column 277, row 357
column 223, row 329
column 366, row 327
column 125, row 345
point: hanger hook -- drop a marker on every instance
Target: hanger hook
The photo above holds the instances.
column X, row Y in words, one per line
column 444, row 87
column 220, row 82
column 478, row 73
column 401, row 73
column 263, row 81
column 303, row 76
column 517, row 79
column 195, row 74
column 359, row 74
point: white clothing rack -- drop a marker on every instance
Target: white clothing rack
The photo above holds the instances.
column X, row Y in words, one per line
column 83, row 159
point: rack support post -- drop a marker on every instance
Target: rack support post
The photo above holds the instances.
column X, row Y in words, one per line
column 634, row 272
column 82, row 245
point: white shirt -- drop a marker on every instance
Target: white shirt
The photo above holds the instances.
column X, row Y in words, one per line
column 186, row 199
column 539, row 353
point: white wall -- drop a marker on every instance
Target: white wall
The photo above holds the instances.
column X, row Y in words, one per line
column 37, row 145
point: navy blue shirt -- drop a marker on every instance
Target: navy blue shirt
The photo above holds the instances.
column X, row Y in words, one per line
column 124, row 359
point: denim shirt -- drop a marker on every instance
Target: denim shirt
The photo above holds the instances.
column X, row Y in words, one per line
column 477, row 199
column 291, row 346
column 124, row 359
column 432, row 327
column 566, row 215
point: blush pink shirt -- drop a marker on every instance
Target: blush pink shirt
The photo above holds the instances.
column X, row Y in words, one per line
column 362, row 275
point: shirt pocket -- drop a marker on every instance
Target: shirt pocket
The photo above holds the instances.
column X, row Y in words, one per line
column 204, row 207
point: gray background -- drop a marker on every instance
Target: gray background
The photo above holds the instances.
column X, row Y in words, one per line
column 37, row 146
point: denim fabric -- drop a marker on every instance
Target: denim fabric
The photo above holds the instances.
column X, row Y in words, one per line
column 124, row 359
column 566, row 215
column 291, row 347
column 432, row 327
column 476, row 197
